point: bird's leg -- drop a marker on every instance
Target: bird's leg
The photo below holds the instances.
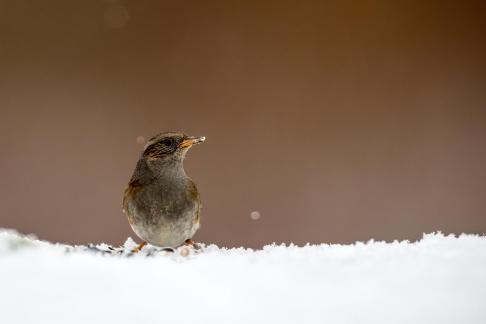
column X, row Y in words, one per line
column 139, row 247
column 189, row 242
column 192, row 244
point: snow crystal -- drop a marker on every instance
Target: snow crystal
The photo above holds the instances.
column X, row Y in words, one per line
column 439, row 279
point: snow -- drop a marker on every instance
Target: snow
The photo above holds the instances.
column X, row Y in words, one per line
column 439, row 279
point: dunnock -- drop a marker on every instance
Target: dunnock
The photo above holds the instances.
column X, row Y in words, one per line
column 161, row 202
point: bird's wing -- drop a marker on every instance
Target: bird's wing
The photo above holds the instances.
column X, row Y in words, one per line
column 130, row 190
column 195, row 195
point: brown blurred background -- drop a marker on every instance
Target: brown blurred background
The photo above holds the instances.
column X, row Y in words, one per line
column 333, row 121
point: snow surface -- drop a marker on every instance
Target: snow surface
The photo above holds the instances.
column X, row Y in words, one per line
column 439, row 279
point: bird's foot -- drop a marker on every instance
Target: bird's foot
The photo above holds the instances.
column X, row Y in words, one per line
column 192, row 244
column 139, row 247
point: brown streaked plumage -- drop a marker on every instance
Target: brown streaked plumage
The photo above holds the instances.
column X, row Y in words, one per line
column 161, row 202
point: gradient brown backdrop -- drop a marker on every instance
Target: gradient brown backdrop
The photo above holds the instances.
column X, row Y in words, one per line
column 336, row 120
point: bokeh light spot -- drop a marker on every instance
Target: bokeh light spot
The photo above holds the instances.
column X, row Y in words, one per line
column 116, row 15
column 140, row 139
column 255, row 215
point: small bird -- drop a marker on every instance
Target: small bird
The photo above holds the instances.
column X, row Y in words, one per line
column 161, row 202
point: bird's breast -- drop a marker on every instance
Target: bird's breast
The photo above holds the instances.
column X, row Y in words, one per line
column 163, row 214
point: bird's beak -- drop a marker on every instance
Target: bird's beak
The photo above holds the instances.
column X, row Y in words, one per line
column 190, row 141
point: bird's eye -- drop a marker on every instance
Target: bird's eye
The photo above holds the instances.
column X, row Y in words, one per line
column 168, row 142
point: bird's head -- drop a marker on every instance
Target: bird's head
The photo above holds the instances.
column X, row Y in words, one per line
column 169, row 147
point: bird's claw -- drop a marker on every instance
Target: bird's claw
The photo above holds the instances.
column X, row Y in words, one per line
column 192, row 244
column 139, row 247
